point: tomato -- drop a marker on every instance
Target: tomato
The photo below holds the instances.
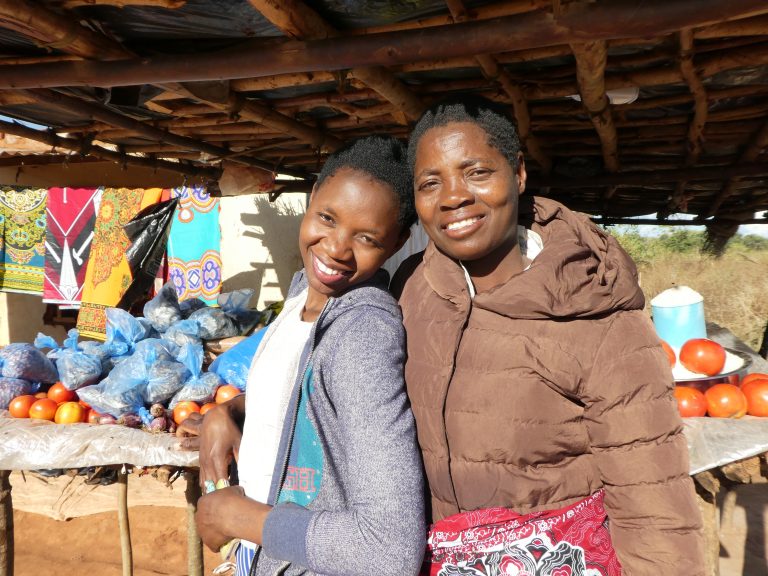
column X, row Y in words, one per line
column 670, row 354
column 205, row 407
column 59, row 393
column 703, row 356
column 43, row 409
column 756, row 392
column 725, row 401
column 83, row 403
column 41, row 395
column 93, row 416
column 226, row 392
column 19, row 406
column 690, row 402
column 69, row 413
column 182, row 410
column 754, row 376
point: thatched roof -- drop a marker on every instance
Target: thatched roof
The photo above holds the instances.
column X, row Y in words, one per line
column 277, row 84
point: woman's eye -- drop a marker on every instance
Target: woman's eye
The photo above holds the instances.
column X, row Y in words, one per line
column 325, row 218
column 479, row 173
column 428, row 185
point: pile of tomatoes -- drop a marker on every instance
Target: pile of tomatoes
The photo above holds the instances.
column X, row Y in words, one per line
column 62, row 406
column 726, row 400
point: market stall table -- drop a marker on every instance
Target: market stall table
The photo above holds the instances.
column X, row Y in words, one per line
column 36, row 444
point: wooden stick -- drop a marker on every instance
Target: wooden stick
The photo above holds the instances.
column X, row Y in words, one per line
column 123, row 522
column 167, row 4
column 530, row 30
column 50, row 30
column 81, row 146
column 591, row 58
column 755, row 26
column 6, row 524
column 195, row 564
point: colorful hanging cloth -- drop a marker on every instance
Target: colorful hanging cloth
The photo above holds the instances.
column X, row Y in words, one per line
column 71, row 219
column 194, row 257
column 22, row 239
column 108, row 274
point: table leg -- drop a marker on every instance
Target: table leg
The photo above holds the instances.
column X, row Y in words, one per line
column 194, row 544
column 122, row 519
column 6, row 524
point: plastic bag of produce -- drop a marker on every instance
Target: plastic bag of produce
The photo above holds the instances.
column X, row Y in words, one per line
column 43, row 341
column 165, row 378
column 123, row 332
column 235, row 304
column 201, row 386
column 26, row 362
column 183, row 332
column 163, row 310
column 77, row 368
column 10, row 388
column 115, row 397
column 214, row 323
column 233, row 365
column 188, row 306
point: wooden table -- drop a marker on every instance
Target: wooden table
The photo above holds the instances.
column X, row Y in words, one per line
column 34, row 445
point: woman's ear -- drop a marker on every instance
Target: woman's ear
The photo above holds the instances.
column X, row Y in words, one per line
column 521, row 174
column 404, row 235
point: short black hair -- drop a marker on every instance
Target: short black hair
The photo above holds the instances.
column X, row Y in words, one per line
column 383, row 158
column 491, row 116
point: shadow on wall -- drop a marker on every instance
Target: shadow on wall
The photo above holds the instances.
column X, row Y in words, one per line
column 276, row 226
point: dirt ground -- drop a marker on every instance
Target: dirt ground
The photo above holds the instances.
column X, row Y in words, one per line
column 90, row 544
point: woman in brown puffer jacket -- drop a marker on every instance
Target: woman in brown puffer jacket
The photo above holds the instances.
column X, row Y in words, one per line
column 542, row 397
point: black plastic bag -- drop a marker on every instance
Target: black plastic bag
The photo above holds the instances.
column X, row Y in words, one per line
column 148, row 233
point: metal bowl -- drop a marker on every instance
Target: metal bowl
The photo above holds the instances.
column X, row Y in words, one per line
column 733, row 377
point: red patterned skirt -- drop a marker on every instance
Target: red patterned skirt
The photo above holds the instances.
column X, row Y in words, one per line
column 570, row 541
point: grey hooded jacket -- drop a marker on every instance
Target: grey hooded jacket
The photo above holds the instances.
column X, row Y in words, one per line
column 348, row 490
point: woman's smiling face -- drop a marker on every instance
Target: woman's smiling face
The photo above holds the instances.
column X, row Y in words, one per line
column 350, row 229
column 466, row 192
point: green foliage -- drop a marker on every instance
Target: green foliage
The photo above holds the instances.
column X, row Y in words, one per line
column 644, row 249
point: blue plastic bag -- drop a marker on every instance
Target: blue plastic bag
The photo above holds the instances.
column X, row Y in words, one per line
column 183, row 332
column 26, row 362
column 10, row 388
column 234, row 364
column 123, row 332
column 201, row 386
column 76, row 367
column 163, row 310
column 235, row 304
column 214, row 323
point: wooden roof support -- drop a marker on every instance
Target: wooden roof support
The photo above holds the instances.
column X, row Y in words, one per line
column 84, row 147
column 52, row 31
column 591, row 58
column 282, row 81
column 493, row 71
column 579, row 22
column 301, row 22
column 754, row 148
column 696, row 126
column 102, row 114
column 755, row 26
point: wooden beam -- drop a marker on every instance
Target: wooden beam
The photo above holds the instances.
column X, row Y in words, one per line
column 54, row 32
column 591, row 58
column 299, row 21
column 97, row 112
column 754, row 148
column 696, row 126
column 755, row 26
column 612, row 221
column 282, row 81
column 167, row 4
column 579, row 22
column 84, row 147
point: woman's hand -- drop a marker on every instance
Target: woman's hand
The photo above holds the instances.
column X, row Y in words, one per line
column 189, row 432
column 228, row 513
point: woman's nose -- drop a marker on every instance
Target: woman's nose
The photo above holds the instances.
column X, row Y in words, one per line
column 454, row 194
column 337, row 246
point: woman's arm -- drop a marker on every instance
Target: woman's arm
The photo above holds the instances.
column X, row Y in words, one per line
column 637, row 439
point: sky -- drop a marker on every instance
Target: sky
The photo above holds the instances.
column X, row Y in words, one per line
column 649, row 230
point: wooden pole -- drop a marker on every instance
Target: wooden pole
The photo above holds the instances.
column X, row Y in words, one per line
column 6, row 524
column 195, row 566
column 123, row 522
column 82, row 147
column 579, row 22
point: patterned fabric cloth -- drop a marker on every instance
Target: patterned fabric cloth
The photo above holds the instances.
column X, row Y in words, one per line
column 570, row 541
column 108, row 274
column 71, row 218
column 22, row 240
column 194, row 258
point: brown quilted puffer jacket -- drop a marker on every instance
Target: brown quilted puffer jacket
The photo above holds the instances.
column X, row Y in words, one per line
column 550, row 387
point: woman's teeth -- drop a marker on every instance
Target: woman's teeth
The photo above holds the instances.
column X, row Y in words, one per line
column 462, row 223
column 325, row 270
